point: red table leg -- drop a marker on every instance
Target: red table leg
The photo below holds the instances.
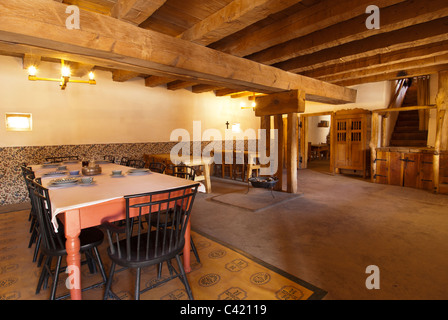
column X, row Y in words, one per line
column 72, row 231
column 187, row 249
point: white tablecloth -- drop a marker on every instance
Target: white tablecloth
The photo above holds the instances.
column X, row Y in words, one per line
column 105, row 187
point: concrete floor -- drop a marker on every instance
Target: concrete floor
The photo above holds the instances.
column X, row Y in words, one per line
column 336, row 229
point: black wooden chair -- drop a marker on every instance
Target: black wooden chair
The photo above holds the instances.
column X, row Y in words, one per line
column 153, row 245
column 53, row 243
column 124, row 161
column 109, row 158
column 34, row 227
column 158, row 167
column 189, row 173
column 136, row 163
column 184, row 172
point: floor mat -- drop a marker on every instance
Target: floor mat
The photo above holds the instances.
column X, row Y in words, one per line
column 224, row 273
column 255, row 199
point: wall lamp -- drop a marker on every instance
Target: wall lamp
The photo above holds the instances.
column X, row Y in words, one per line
column 65, row 76
column 253, row 104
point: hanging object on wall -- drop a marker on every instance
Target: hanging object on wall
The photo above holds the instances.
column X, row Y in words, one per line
column 63, row 80
column 324, row 124
column 252, row 105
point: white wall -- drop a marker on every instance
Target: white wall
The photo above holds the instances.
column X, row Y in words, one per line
column 317, row 134
column 108, row 112
column 370, row 96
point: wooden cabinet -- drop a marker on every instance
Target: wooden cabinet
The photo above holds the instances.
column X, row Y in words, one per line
column 405, row 168
column 351, row 140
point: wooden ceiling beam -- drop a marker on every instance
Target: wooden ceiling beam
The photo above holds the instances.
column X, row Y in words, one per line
column 18, row 50
column 135, row 11
column 155, row 81
column 94, row 6
column 241, row 94
column 404, row 55
column 80, row 69
column 123, row 75
column 234, row 17
column 30, row 59
column 418, row 35
column 178, row 84
column 412, row 72
column 304, row 22
column 420, row 63
column 200, row 88
column 110, row 39
column 395, row 17
column 227, row 92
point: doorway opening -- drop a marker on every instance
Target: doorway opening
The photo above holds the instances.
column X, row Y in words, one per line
column 315, row 142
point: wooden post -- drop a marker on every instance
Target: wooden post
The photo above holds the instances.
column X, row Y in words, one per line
column 383, row 142
column 373, row 145
column 285, row 140
column 297, row 140
column 278, row 124
column 265, row 123
column 291, row 159
column 436, row 157
column 441, row 126
column 304, row 140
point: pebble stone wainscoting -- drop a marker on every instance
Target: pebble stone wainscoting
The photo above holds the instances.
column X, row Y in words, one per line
column 12, row 186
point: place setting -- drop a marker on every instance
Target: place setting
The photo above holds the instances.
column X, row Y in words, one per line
column 71, row 181
column 63, row 182
column 86, row 181
column 138, row 172
column 117, row 174
column 50, row 165
column 61, row 171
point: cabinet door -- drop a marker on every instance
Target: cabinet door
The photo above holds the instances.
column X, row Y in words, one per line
column 356, row 144
column 426, row 172
column 341, row 147
column 395, row 169
column 382, row 167
column 410, row 169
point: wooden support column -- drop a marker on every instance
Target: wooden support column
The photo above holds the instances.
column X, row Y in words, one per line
column 265, row 123
column 423, row 100
column 304, row 141
column 374, row 144
column 278, row 124
column 291, row 158
column 441, row 126
column 383, row 130
column 291, row 103
column 285, row 140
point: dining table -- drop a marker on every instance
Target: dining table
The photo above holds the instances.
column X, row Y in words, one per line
column 202, row 161
column 84, row 205
column 249, row 158
column 321, row 149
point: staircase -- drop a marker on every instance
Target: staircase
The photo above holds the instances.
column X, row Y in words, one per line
column 406, row 132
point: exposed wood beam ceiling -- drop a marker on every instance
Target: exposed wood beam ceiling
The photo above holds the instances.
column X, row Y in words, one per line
column 320, row 39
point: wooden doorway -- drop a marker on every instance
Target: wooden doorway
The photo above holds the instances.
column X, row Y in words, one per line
column 304, row 139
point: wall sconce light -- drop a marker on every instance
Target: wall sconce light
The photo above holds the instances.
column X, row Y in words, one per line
column 18, row 121
column 253, row 104
column 65, row 76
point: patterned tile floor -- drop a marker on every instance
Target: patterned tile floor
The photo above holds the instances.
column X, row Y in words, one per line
column 224, row 273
